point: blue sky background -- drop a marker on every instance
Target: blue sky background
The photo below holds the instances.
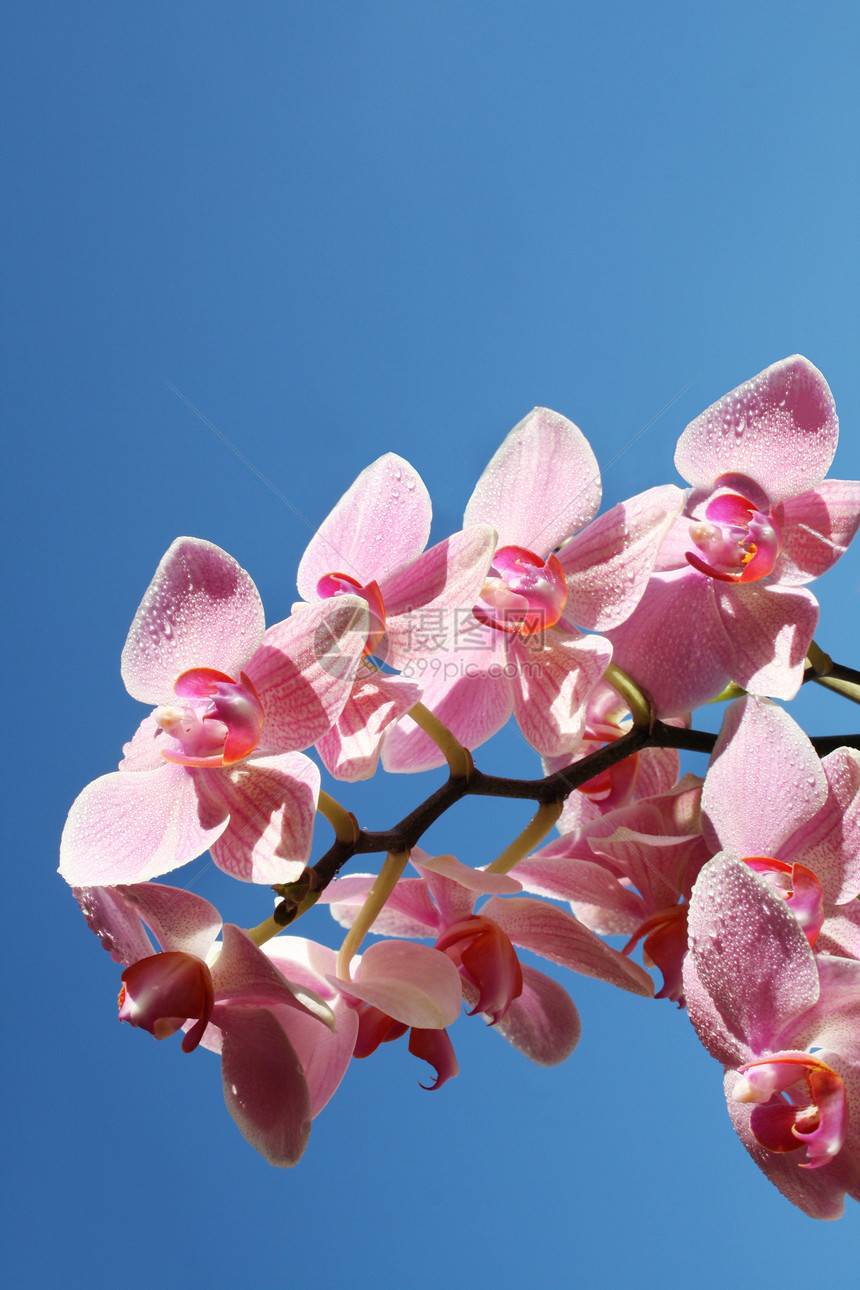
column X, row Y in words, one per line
column 340, row 229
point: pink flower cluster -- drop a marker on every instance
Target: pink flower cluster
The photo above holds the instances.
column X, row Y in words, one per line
column 740, row 886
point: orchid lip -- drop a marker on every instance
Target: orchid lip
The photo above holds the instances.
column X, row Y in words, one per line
column 220, row 725
column 733, row 541
column 786, row 1124
column 522, row 594
column 341, row 584
column 163, row 991
column 485, row 956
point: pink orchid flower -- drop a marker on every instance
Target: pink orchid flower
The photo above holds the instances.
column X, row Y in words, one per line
column 372, row 545
column 630, row 873
column 283, row 1048
column 530, row 1009
column 522, row 650
column 644, row 774
column 216, row 764
column 785, row 1024
column 397, row 987
column 803, row 834
column 727, row 601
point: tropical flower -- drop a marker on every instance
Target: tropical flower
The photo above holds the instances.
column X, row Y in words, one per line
column 372, row 545
column 804, row 834
column 239, row 1002
column 522, row 650
column 727, row 599
column 785, row 1024
column 530, row 1009
column 215, row 765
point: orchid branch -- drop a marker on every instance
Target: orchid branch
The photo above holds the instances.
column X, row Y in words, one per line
column 550, row 790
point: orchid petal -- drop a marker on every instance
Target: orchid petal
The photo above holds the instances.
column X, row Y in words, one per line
column 540, row 486
column 599, row 899
column 557, row 936
column 817, row 527
column 264, row 1085
column 659, row 770
column 272, row 806
column 408, row 911
column 543, row 1023
column 656, row 866
column 324, row 1053
column 840, row 932
column 454, row 899
column 477, row 881
column 127, row 827
column 608, row 564
column 579, row 809
column 750, row 953
column 833, row 1022
column 381, row 524
column 829, row 843
column 178, row 919
column 674, row 644
column 351, row 748
column 554, row 677
column 780, row 428
column 469, row 691
column 305, row 962
column 243, row 974
column 414, row 984
column 201, row 608
column 426, row 603
column 769, row 630
column 787, row 791
column 115, row 924
column 708, row 1021
column 304, row 670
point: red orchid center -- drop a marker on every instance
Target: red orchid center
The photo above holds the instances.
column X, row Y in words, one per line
column 813, row 1115
column 220, row 723
column 341, row 584
column 160, row 993
column 375, row 1027
column 799, row 888
column 664, row 936
column 733, row 541
column 522, row 593
column 488, row 961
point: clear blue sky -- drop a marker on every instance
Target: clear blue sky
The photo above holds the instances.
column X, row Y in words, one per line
column 339, row 229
